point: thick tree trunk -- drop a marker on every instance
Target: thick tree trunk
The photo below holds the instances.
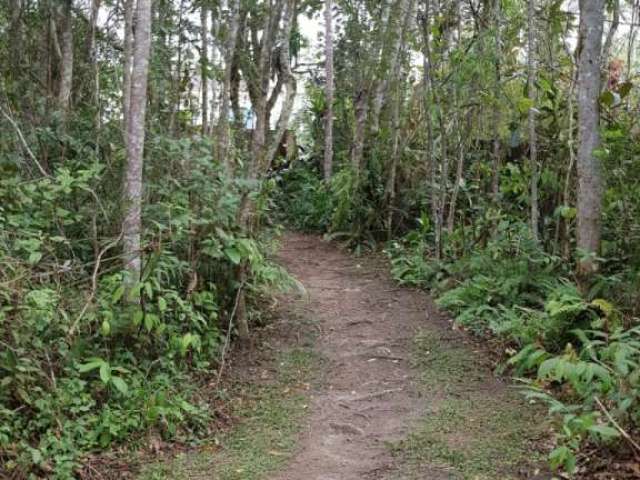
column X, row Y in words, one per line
column 533, row 141
column 66, row 55
column 589, row 170
column 362, row 113
column 328, row 119
column 132, row 223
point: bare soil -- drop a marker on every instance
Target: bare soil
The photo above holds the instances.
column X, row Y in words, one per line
column 371, row 397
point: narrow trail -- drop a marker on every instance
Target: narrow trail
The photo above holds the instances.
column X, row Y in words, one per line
column 370, row 395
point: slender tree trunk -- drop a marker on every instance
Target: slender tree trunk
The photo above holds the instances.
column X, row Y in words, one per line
column 129, row 10
column 132, row 223
column 395, row 151
column 328, row 119
column 93, row 60
column 459, row 174
column 225, row 94
column 204, row 69
column 176, row 83
column 388, row 65
column 66, row 55
column 533, row 141
column 615, row 23
column 497, row 153
column 428, row 100
column 214, row 60
column 589, row 169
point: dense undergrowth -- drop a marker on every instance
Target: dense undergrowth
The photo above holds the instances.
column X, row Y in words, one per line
column 576, row 352
column 81, row 369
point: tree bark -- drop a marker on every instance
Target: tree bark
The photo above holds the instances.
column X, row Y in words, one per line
column 66, row 55
column 215, row 23
column 204, row 69
column 497, row 153
column 129, row 10
column 589, row 169
column 533, row 141
column 225, row 94
column 132, row 222
column 328, row 119
column 615, row 23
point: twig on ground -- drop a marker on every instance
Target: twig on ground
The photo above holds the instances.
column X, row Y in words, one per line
column 228, row 338
column 625, row 434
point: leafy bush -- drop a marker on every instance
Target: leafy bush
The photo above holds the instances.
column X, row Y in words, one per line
column 80, row 367
column 586, row 366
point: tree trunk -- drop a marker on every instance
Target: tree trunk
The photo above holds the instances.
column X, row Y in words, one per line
column 66, row 56
column 225, row 94
column 93, row 61
column 459, row 174
column 615, row 23
column 497, row 154
column 388, row 65
column 132, row 223
column 533, row 141
column 328, row 119
column 395, row 154
column 215, row 23
column 204, row 69
column 589, row 170
column 129, row 10
column 362, row 113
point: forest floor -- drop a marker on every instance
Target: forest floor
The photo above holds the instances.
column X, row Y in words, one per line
column 366, row 381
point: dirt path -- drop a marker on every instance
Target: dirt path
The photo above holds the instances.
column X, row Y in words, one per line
column 371, row 397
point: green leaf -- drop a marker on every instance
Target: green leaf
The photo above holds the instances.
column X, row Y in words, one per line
column 120, row 385
column 233, row 254
column 34, row 257
column 604, row 431
column 162, row 304
column 607, row 98
column 117, row 295
column 105, row 372
column 105, row 328
column 525, row 104
column 625, row 88
column 91, row 365
column 150, row 320
column 137, row 317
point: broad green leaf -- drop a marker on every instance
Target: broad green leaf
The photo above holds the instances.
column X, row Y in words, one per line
column 91, row 365
column 233, row 254
column 120, row 385
column 105, row 372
